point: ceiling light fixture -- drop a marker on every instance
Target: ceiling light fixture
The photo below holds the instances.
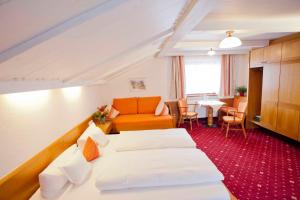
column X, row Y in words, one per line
column 211, row 52
column 230, row 41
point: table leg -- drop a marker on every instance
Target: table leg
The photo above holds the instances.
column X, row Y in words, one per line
column 209, row 110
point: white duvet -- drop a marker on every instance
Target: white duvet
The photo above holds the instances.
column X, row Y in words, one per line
column 159, row 167
column 152, row 139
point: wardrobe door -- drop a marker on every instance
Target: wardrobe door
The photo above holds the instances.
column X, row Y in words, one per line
column 272, row 53
column 270, row 89
column 256, row 58
column 291, row 50
column 289, row 100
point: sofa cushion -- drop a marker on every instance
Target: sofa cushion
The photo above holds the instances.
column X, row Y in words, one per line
column 126, row 105
column 147, row 105
column 141, row 122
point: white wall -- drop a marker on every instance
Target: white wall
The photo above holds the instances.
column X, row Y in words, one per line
column 31, row 121
column 155, row 71
column 241, row 70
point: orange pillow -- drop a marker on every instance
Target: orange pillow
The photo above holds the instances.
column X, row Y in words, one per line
column 90, row 150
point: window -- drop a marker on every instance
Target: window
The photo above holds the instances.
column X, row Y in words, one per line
column 203, row 74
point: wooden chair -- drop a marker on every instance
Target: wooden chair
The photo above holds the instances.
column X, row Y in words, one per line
column 235, row 117
column 184, row 112
column 236, row 101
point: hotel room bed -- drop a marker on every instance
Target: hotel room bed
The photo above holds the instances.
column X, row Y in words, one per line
column 88, row 190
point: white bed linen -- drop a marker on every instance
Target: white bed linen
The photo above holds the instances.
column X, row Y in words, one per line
column 152, row 139
column 156, row 167
column 88, row 190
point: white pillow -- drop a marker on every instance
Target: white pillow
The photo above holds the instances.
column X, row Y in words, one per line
column 52, row 180
column 76, row 168
column 95, row 133
column 165, row 111
column 159, row 108
column 112, row 113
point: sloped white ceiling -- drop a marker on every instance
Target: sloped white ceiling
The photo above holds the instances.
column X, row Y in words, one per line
column 104, row 40
column 255, row 22
column 23, row 19
column 60, row 43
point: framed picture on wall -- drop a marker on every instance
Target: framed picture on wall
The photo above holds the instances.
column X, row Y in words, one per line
column 137, row 84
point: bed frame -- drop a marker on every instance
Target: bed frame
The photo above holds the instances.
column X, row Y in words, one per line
column 22, row 182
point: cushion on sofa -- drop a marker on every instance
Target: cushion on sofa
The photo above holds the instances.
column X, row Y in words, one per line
column 147, row 105
column 126, row 105
column 141, row 122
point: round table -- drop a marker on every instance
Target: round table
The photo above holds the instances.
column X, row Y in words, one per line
column 210, row 105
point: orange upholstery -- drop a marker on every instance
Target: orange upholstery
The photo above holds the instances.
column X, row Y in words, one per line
column 232, row 119
column 126, row 105
column 190, row 114
column 147, row 105
column 138, row 114
column 141, row 122
column 90, row 150
column 227, row 109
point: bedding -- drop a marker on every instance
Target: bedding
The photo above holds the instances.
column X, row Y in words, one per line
column 52, row 180
column 152, row 139
column 213, row 191
column 76, row 168
column 90, row 150
column 88, row 190
column 95, row 133
column 159, row 167
column 173, row 159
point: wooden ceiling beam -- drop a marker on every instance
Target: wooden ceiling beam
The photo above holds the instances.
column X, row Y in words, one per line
column 192, row 14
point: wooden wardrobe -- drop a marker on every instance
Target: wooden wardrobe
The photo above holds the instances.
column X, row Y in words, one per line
column 277, row 69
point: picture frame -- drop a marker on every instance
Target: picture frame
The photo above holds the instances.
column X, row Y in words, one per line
column 137, row 84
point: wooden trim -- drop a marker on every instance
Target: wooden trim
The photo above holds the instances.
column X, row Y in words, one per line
column 285, row 38
column 290, row 60
column 289, row 106
column 271, row 129
column 22, row 182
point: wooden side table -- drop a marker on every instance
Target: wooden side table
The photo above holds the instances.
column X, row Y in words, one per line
column 105, row 127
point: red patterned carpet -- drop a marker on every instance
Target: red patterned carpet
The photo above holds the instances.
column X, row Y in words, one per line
column 263, row 166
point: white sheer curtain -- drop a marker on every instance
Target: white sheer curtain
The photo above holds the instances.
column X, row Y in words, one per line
column 203, row 74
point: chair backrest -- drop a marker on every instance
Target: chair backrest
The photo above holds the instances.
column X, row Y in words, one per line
column 182, row 105
column 174, row 110
column 237, row 100
column 242, row 107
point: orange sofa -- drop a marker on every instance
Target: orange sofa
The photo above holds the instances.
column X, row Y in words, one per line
column 137, row 113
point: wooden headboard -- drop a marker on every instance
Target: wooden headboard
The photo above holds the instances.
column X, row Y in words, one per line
column 22, row 182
